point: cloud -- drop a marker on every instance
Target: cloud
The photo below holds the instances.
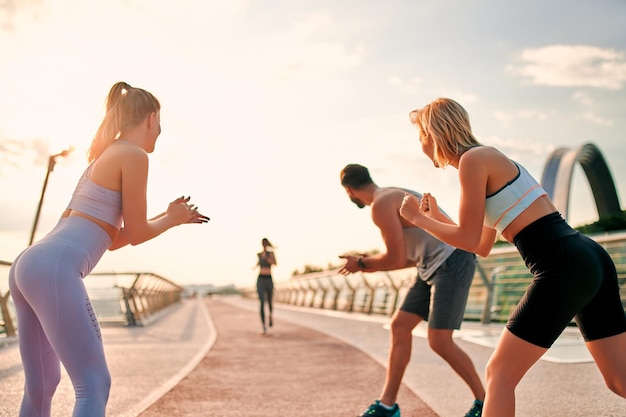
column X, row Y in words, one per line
column 14, row 152
column 585, row 100
column 507, row 117
column 520, row 146
column 582, row 98
column 9, row 12
column 572, row 66
column 416, row 86
column 309, row 47
column 409, row 87
column 595, row 119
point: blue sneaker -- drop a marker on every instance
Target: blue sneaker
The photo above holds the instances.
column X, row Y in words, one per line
column 476, row 410
column 377, row 410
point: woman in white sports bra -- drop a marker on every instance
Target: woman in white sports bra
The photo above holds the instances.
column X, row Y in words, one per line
column 56, row 323
column 574, row 277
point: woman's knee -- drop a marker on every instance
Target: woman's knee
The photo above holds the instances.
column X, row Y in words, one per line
column 490, row 370
column 92, row 395
column 96, row 386
column 617, row 385
column 502, row 375
column 41, row 390
column 608, row 354
column 103, row 386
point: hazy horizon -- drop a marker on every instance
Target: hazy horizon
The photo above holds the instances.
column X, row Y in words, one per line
column 264, row 103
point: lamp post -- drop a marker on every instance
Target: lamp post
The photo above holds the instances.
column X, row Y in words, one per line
column 52, row 160
column 4, row 311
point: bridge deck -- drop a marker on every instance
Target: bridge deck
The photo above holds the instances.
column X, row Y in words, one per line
column 208, row 351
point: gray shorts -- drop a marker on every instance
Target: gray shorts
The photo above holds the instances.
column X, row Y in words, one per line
column 442, row 299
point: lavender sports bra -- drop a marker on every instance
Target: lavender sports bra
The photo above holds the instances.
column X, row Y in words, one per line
column 97, row 201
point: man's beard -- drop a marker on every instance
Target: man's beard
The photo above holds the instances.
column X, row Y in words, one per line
column 358, row 202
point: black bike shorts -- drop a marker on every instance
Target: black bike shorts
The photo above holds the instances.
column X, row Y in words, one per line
column 573, row 278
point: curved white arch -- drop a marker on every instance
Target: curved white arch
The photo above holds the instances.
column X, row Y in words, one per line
column 557, row 179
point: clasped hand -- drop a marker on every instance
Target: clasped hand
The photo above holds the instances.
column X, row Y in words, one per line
column 413, row 209
column 185, row 212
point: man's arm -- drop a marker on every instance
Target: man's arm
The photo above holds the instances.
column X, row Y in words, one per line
column 386, row 217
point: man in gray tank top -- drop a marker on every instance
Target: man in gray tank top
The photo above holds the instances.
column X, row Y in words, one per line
column 439, row 295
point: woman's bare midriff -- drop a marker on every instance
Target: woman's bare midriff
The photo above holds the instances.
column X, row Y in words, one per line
column 539, row 208
column 265, row 271
column 111, row 231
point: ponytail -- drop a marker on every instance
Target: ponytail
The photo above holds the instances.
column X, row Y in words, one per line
column 126, row 107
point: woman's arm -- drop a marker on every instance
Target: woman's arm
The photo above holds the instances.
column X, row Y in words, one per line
column 429, row 206
column 137, row 227
column 470, row 234
column 122, row 237
column 448, row 232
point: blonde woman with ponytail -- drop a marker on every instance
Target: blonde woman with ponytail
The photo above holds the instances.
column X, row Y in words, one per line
column 107, row 211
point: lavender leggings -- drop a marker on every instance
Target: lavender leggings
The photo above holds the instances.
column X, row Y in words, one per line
column 56, row 322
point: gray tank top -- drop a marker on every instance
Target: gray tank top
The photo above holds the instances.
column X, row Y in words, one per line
column 427, row 252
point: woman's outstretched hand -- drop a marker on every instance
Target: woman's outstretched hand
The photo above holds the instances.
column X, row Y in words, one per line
column 184, row 212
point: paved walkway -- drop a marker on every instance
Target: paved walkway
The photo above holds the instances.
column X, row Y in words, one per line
column 145, row 362
column 565, row 383
column 208, row 358
column 292, row 371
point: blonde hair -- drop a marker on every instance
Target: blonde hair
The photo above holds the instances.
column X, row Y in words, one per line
column 446, row 123
column 126, row 107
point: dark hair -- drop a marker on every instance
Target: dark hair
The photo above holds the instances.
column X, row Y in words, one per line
column 355, row 176
column 265, row 242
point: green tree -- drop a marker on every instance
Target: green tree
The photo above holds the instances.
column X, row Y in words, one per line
column 608, row 224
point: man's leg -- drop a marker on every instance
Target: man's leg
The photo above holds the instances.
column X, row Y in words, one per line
column 414, row 309
column 451, row 283
column 440, row 341
column 402, row 326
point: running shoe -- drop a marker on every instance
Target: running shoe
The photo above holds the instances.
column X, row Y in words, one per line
column 476, row 410
column 377, row 410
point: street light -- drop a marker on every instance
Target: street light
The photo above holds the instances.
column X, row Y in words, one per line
column 52, row 160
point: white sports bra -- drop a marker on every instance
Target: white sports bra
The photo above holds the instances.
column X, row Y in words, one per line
column 503, row 206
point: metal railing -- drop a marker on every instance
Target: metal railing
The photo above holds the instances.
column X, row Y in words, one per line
column 135, row 304
column 147, row 295
column 499, row 283
column 6, row 321
column 509, row 278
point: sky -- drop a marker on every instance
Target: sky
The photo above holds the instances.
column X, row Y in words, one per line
column 263, row 103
